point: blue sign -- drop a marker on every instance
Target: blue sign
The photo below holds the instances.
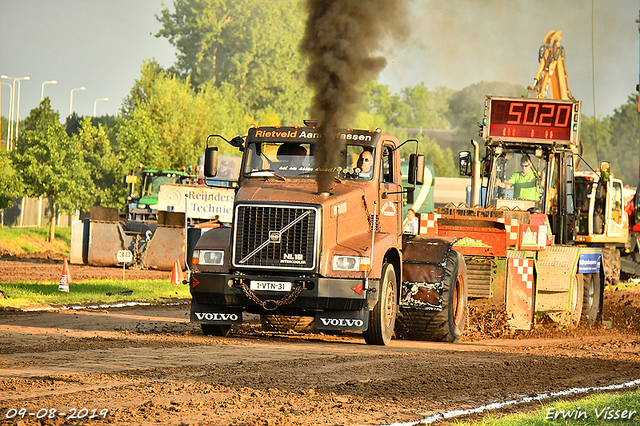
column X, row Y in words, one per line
column 589, row 263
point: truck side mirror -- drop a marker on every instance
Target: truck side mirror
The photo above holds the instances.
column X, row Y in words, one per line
column 211, row 161
column 237, row 142
column 416, row 169
column 465, row 163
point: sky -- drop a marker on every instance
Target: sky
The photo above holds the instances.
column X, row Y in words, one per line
column 101, row 45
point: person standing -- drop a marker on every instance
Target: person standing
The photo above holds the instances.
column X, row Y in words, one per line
column 411, row 223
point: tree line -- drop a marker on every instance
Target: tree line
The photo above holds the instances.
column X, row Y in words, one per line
column 238, row 64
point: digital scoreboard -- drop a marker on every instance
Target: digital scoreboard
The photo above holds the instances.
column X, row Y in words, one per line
column 523, row 119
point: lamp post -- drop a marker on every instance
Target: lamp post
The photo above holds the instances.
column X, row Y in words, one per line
column 71, row 102
column 46, row 82
column 10, row 138
column 10, row 99
column 95, row 104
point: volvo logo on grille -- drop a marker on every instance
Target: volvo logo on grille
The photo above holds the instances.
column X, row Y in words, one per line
column 274, row 236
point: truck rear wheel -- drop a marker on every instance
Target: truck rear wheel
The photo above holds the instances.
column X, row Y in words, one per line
column 287, row 323
column 215, row 330
column 448, row 324
column 577, row 299
column 591, row 298
column 382, row 318
column 611, row 263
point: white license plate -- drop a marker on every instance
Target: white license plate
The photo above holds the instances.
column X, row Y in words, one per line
column 270, row 285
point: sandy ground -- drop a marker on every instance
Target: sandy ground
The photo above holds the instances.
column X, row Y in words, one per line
column 150, row 366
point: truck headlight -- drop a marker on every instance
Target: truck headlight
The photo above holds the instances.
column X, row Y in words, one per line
column 350, row 263
column 208, row 257
column 153, row 206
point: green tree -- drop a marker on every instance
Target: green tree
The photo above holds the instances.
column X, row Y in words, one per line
column 424, row 108
column 167, row 122
column 595, row 135
column 51, row 163
column 624, row 140
column 250, row 44
column 466, row 109
column 10, row 181
column 103, row 165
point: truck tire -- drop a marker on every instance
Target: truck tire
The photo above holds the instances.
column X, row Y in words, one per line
column 611, row 264
column 577, row 299
column 382, row 318
column 287, row 323
column 215, row 330
column 591, row 298
column 448, row 324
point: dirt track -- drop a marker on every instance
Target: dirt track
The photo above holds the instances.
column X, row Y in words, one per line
column 150, row 366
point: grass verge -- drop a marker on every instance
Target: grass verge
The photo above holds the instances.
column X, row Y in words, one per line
column 598, row 409
column 34, row 239
column 23, row 295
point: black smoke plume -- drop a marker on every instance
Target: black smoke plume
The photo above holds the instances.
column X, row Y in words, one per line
column 342, row 40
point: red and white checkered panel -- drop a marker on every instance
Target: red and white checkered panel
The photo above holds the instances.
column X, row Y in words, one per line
column 429, row 224
column 523, row 270
column 511, row 226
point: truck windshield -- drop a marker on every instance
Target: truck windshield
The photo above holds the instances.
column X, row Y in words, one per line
column 297, row 160
column 518, row 179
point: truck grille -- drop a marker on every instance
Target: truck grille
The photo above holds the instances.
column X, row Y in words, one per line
column 275, row 237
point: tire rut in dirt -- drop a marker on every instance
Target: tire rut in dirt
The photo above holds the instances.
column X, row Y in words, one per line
column 448, row 324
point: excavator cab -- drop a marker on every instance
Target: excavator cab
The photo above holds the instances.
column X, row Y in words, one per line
column 517, row 179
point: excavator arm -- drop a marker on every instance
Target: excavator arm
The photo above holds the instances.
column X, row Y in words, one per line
column 552, row 71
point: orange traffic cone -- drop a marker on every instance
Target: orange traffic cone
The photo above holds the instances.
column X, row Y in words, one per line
column 176, row 274
column 65, row 279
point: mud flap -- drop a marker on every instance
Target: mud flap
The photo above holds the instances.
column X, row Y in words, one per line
column 423, row 272
column 343, row 320
column 219, row 315
column 520, row 296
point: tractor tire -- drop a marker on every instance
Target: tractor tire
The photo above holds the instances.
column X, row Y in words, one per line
column 215, row 330
column 287, row 323
column 591, row 298
column 448, row 324
column 611, row 263
column 577, row 300
column 382, row 318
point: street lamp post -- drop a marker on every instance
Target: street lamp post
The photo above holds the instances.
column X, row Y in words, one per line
column 95, row 104
column 71, row 102
column 10, row 138
column 46, row 82
column 10, row 100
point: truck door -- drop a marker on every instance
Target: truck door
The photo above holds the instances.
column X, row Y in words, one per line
column 615, row 213
column 390, row 192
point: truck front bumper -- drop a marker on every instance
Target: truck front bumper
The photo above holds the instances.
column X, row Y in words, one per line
column 225, row 291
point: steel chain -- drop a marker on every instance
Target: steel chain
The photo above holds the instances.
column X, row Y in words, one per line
column 286, row 299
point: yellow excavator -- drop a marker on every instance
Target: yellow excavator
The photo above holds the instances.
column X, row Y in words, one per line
column 600, row 217
column 552, row 71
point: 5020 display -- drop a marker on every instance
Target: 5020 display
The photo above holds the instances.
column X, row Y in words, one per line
column 530, row 119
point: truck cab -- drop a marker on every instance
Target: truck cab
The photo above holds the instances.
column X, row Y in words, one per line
column 333, row 255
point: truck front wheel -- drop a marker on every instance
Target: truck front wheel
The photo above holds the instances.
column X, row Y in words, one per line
column 382, row 318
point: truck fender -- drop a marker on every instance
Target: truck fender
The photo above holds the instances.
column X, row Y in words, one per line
column 423, row 271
